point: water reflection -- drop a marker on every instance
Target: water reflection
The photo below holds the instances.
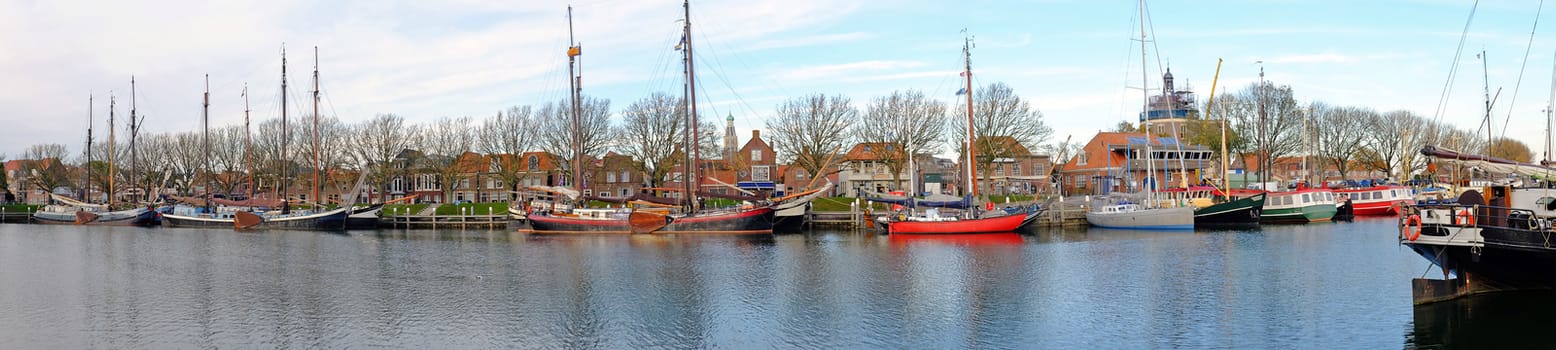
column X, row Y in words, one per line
column 1336, row 285
column 1489, row 321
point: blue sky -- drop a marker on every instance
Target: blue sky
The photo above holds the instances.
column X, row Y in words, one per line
column 1073, row 59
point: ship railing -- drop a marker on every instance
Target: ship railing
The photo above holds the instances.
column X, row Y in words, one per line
column 1461, row 224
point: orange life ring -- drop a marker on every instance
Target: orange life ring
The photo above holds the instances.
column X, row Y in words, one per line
column 1464, row 218
column 1413, row 227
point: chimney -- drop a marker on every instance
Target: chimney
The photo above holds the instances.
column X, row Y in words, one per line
column 756, row 134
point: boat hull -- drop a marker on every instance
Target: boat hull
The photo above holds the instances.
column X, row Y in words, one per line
column 1180, row 218
column 1377, row 208
column 754, row 221
column 132, row 217
column 1241, row 212
column 1509, row 259
column 1318, row 212
column 1007, row 223
column 334, row 220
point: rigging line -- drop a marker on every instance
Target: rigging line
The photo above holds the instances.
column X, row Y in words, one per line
column 1521, row 67
column 1123, row 95
column 738, row 98
column 769, row 83
column 1453, row 69
column 718, row 70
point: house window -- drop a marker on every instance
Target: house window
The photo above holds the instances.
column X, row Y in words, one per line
column 760, row 173
column 756, row 155
column 1081, row 159
column 1015, row 169
column 464, row 183
column 624, row 192
column 534, row 162
column 588, row 193
column 610, row 177
column 625, row 176
column 676, row 176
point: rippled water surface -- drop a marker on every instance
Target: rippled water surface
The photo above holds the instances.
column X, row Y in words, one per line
column 1332, row 285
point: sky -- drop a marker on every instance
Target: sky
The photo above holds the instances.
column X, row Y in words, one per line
column 1078, row 62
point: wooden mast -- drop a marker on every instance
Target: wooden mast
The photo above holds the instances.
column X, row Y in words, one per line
column 316, row 164
column 248, row 161
column 574, row 91
column 1226, row 167
column 111, row 149
column 89, row 119
column 285, row 140
column 694, row 179
column 972, row 167
column 205, row 138
column 134, row 130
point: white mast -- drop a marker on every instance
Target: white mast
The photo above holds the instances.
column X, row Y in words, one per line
column 1145, row 103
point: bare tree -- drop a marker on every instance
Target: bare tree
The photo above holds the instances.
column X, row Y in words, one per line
column 1001, row 121
column 1268, row 108
column 45, row 166
column 907, row 121
column 5, row 181
column 332, row 151
column 808, row 130
column 558, row 132
column 447, row 140
column 652, row 132
column 1338, row 133
column 506, row 138
column 377, row 142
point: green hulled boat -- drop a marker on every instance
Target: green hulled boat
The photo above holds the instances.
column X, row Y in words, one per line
column 1301, row 206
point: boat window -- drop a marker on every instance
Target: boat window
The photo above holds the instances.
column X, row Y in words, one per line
column 1305, row 198
column 1286, row 200
column 1378, row 195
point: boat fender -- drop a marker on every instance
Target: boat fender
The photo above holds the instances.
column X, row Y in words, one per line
column 1465, row 218
column 1413, row 227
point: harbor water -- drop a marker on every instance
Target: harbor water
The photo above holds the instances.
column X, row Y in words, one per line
column 1326, row 285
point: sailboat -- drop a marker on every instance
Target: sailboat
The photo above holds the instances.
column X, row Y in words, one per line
column 70, row 211
column 245, row 215
column 1147, row 214
column 747, row 219
column 1220, row 207
column 931, row 222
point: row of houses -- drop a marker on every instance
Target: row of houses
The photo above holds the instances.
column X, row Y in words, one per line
column 753, row 166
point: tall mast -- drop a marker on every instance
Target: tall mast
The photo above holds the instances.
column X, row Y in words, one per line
column 1145, row 104
column 1486, row 88
column 695, row 167
column 285, row 141
column 972, row 167
column 248, row 162
column 316, row 163
column 574, row 89
column 134, row 131
column 205, row 138
column 89, row 120
column 1264, row 153
column 1226, row 167
column 111, row 147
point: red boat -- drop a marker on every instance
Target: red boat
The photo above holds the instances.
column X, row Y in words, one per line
column 1377, row 200
column 1007, row 223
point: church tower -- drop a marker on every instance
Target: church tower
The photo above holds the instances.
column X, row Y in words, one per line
column 730, row 139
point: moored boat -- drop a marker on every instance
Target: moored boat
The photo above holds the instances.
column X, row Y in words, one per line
column 1212, row 207
column 71, row 212
column 1377, row 200
column 1300, row 206
column 1134, row 216
column 748, row 221
column 934, row 224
